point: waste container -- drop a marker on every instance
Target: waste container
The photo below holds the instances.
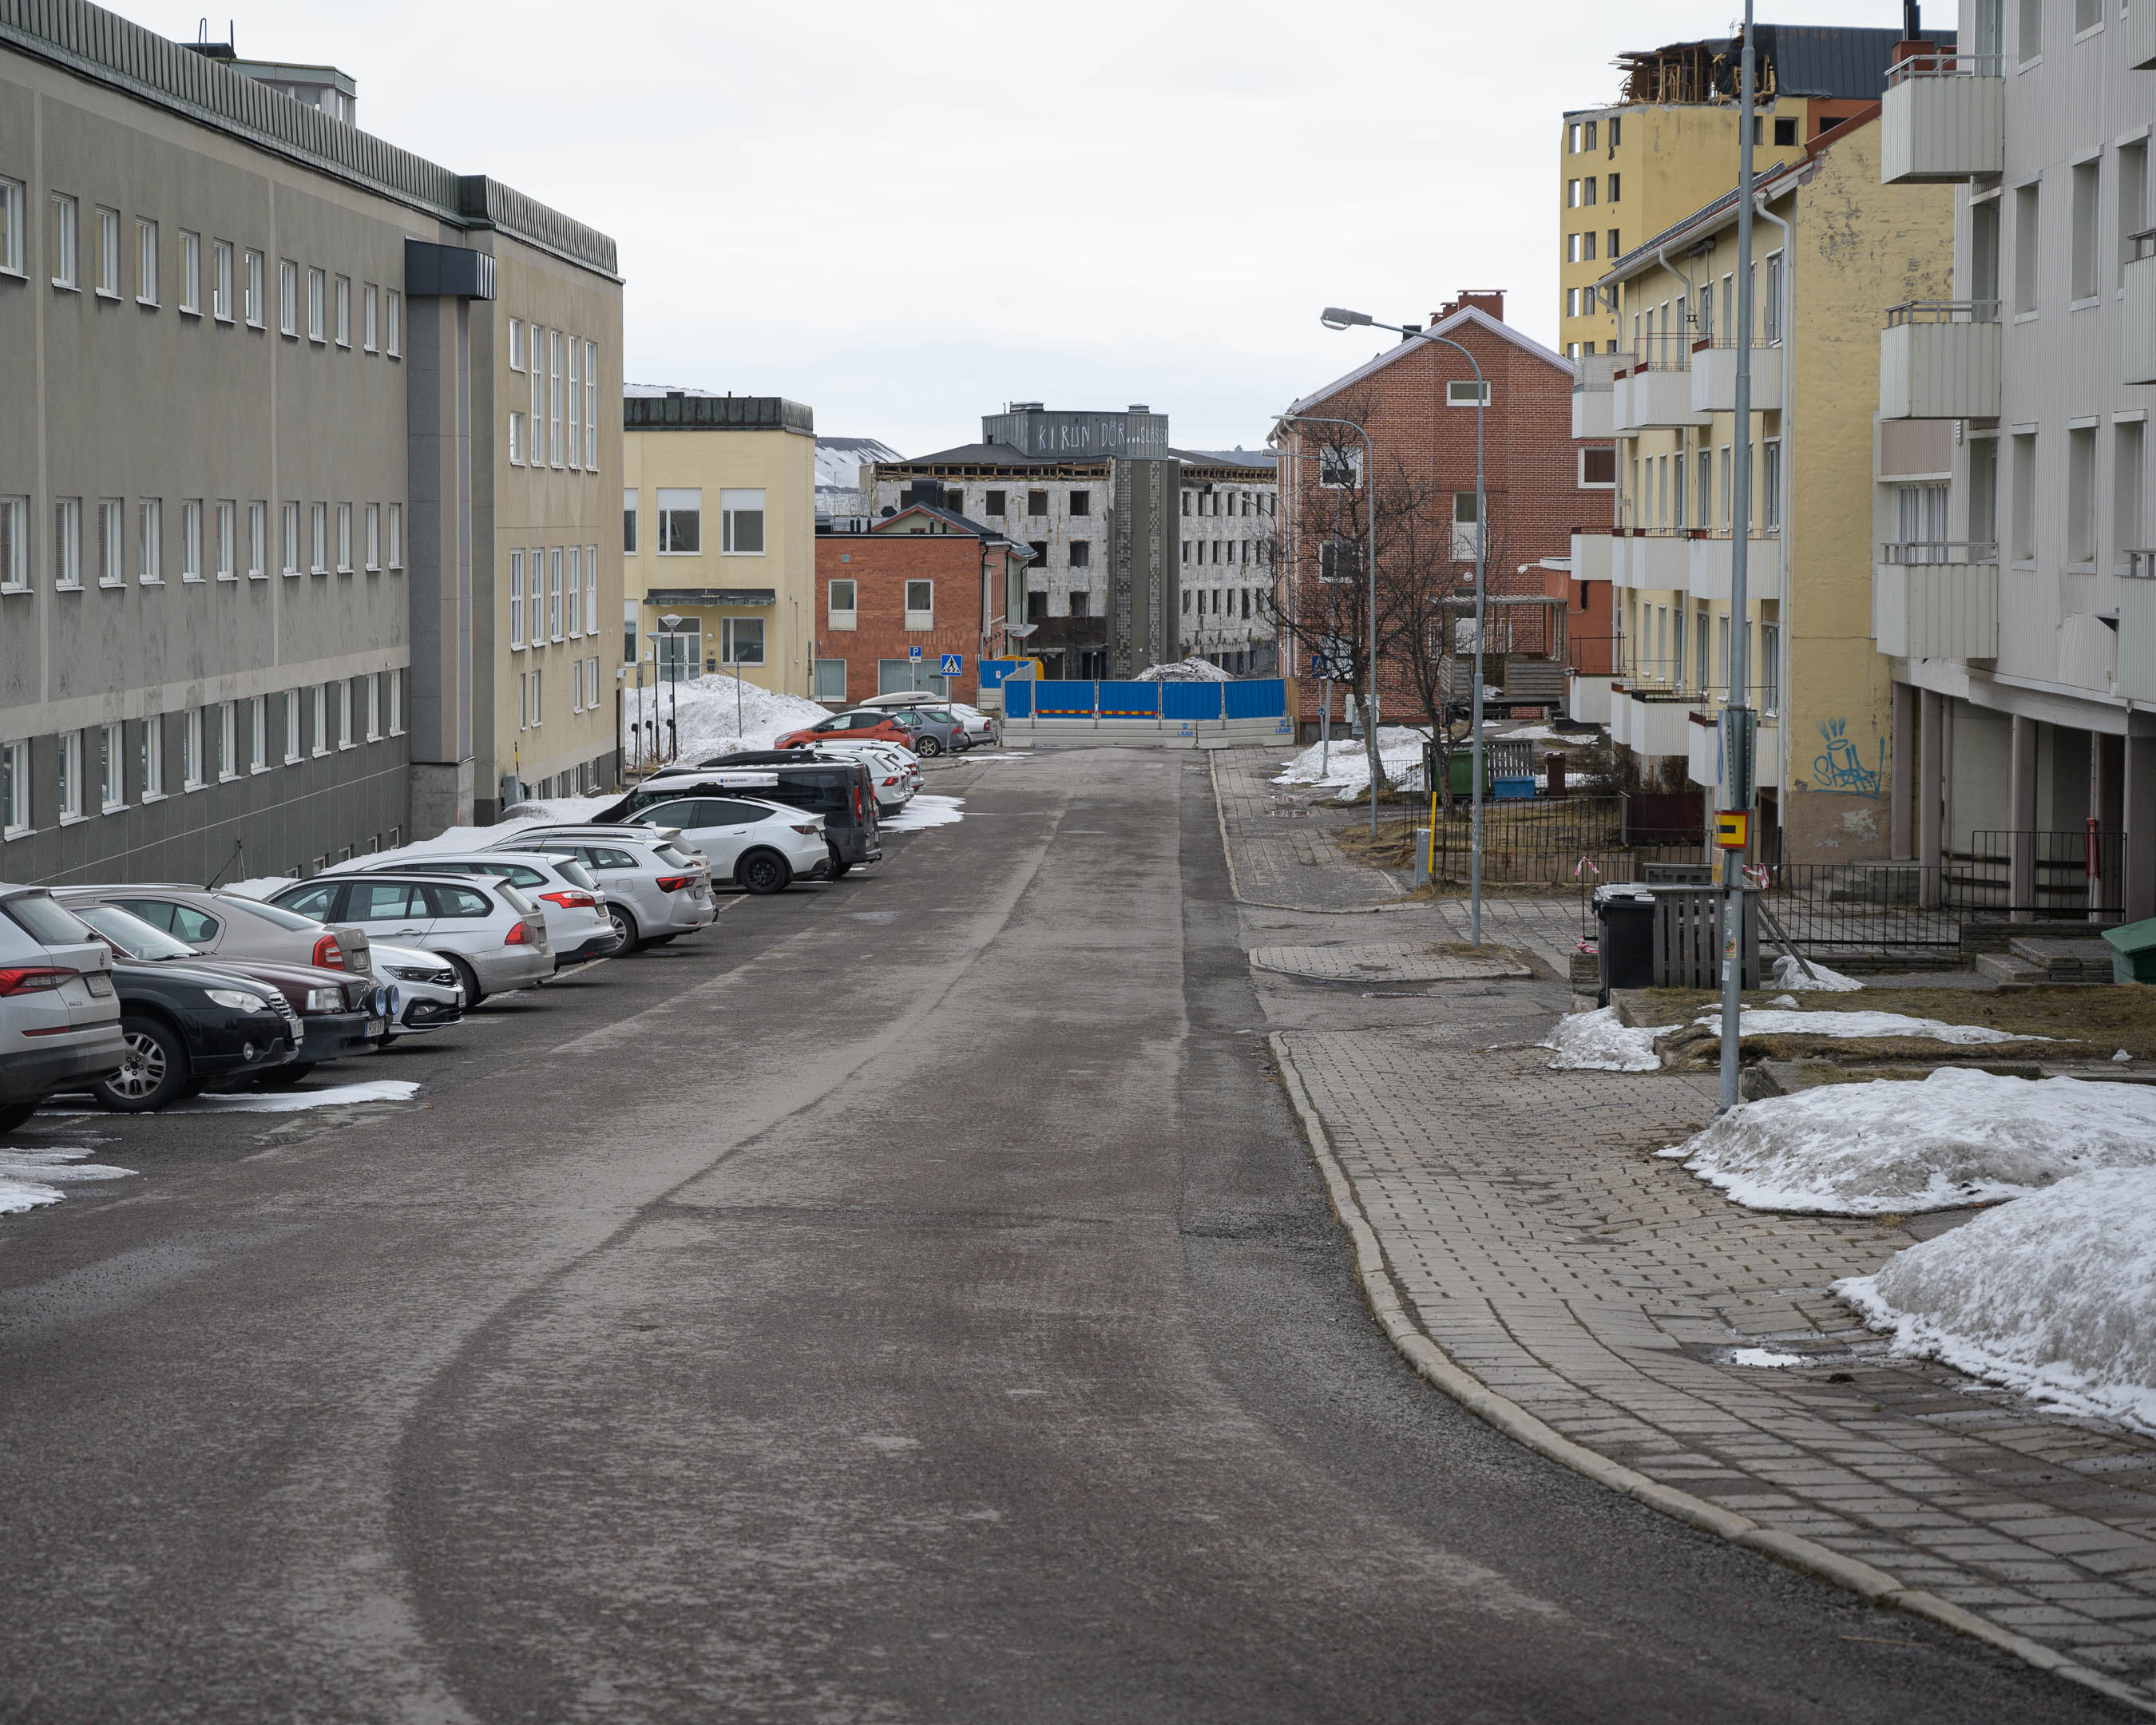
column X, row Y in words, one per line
column 2132, row 951
column 1625, row 919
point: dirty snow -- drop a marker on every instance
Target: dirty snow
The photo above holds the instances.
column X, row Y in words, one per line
column 1400, row 748
column 1770, row 1021
column 704, row 712
column 1596, row 1042
column 2054, row 1295
column 1897, row 1146
column 1790, row 974
column 31, row 1177
column 1184, row 671
column 924, row 811
column 1764, row 1358
column 294, row 1101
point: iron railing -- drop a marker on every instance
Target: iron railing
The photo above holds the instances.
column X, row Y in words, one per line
column 2080, row 876
column 1912, row 552
column 1666, row 351
column 1947, row 62
column 1942, row 311
column 1860, row 906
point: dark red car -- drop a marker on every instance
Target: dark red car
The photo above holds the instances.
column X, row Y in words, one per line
column 862, row 726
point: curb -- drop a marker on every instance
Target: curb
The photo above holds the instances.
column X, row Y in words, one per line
column 1516, row 1423
column 1234, row 881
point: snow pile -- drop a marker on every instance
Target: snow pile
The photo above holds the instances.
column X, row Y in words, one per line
column 1596, row 1042
column 924, row 811
column 1184, row 671
column 294, row 1101
column 1790, row 974
column 1765, row 1359
column 1897, row 1146
column 703, row 709
column 1349, row 768
column 2054, row 1295
column 30, row 1178
column 1771, row 1021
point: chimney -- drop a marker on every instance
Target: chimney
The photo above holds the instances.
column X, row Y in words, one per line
column 1489, row 301
column 929, row 491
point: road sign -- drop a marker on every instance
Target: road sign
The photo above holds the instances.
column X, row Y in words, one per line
column 913, row 653
column 1318, row 667
column 1732, row 828
column 953, row 665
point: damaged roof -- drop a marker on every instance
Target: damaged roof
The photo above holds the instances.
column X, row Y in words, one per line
column 1832, row 62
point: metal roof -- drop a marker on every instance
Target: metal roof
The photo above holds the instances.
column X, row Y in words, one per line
column 1843, row 65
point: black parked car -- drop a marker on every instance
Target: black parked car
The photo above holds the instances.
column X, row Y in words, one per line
column 186, row 1029
column 842, row 792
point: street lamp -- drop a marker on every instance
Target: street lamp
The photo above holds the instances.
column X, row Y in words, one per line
column 669, row 628
column 1334, row 318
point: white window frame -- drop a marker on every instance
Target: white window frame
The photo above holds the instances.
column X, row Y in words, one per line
column 919, row 616
column 668, row 511
column 294, row 743
column 591, row 406
column 149, row 541
column 576, row 413
column 71, row 777
column 14, row 789
column 370, row 318
column 290, row 521
column 318, row 538
column 111, row 767
column 111, row 542
column 220, row 281
column 12, row 248
column 146, row 262
column 396, row 537
column 344, row 539
column 191, row 750
column 63, row 233
column 318, row 288
column 554, row 594
column 288, row 299
column 632, row 521
column 228, row 741
column 591, row 592
column 150, row 756
column 190, row 273
column 191, row 539
column 108, row 253
column 255, row 310
column 373, row 538
column 1466, row 392
column 734, row 510
column 342, row 326
column 258, row 734
column 227, row 539
column 344, row 712
column 576, row 593
column 731, row 631
column 66, row 544
column 258, row 539
column 14, row 544
column 396, row 703
column 554, row 397
column 517, row 344
column 320, row 692
column 535, row 373
column 373, row 681
column 516, row 601
column 516, row 437
column 393, row 328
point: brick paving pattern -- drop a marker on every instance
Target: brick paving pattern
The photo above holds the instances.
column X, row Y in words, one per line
column 1282, row 842
column 1408, row 961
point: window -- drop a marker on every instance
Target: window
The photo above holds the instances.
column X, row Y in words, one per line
column 344, row 539
column 254, row 312
column 591, row 592
column 370, row 312
column 61, row 213
column 396, row 329
column 111, row 790
column 538, row 681
column 1770, row 483
column 2128, row 482
column 2080, row 494
column 146, row 261
column 396, row 706
column 2027, row 217
column 629, row 523
column 515, row 599
column 1920, row 518
column 515, row 439
column 228, row 739
column 108, row 253
column 1036, row 503
column 554, row 594
column 67, row 542
column 396, row 536
column 374, row 537
column 741, row 523
column 1081, row 554
column 1571, row 140
column 191, row 540
column 2028, row 36
column 258, row 734
column 576, row 594
column 191, row 749
column 830, row 679
column 288, row 297
column 992, row 503
column 592, row 409
column 523, row 701
column 2086, row 245
column 318, row 538
column 554, row 397
column 842, row 615
column 1466, row 539
column 2133, row 201
column 535, row 391
column 1614, row 190
column 291, row 726
column 1466, row 392
column 1081, row 503
column 14, row 788
column 1078, row 603
column 150, row 542
column 516, row 344
column 1770, row 307
column 71, row 776
column 344, row 734
column 1036, row 607
column 680, row 522
column 919, row 604
column 1598, row 468
column 575, row 408
column 577, row 672
column 1612, row 252
column 220, row 281
column 373, row 683
column 740, row 640
column 291, row 514
column 1580, row 248
column 1572, row 302
column 1573, row 199
column 14, row 544
column 1785, row 131
column 109, row 570
column 317, row 282
column 257, row 540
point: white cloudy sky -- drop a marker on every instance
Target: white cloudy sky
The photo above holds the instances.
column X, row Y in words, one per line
column 907, row 215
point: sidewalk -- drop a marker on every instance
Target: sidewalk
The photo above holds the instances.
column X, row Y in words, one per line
column 1529, row 1231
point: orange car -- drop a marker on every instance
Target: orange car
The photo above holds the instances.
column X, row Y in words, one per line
column 863, row 726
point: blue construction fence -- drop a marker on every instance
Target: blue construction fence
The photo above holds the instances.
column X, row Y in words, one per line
column 1252, row 698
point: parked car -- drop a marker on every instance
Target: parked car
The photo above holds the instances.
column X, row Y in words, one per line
column 980, row 727
column 566, row 894
column 653, row 892
column 187, row 1030
column 894, row 771
column 931, row 731
column 486, row 931
column 841, row 791
column 59, row 1010
column 761, row 847
column 883, row 727
column 425, row 991
column 340, row 1014
column 230, row 925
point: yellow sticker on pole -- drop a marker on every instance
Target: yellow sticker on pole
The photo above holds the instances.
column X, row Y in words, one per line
column 1732, row 828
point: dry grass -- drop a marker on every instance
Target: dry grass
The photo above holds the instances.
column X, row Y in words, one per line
column 2091, row 1022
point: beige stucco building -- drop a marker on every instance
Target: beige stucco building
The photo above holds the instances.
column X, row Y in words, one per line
column 719, row 530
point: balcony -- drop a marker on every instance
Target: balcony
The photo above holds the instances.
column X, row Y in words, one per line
column 2140, row 28
column 1937, row 600
column 1704, row 765
column 2137, row 341
column 1943, row 118
column 1656, row 560
column 1591, row 558
column 1714, row 379
column 2137, row 627
column 1939, row 360
column 1650, row 721
column 1708, row 574
column 1652, row 399
column 1592, row 390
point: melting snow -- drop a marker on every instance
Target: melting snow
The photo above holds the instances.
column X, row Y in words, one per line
column 31, row 1177
column 1596, row 1042
column 925, row 810
column 1770, row 1021
column 1765, row 1358
column 1349, row 768
column 706, row 720
column 292, row 1102
column 1898, row 1145
column 1790, row 974
column 1185, row 671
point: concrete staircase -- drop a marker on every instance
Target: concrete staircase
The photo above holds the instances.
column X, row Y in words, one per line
column 2044, row 959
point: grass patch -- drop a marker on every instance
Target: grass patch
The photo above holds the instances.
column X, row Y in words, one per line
column 2100, row 1019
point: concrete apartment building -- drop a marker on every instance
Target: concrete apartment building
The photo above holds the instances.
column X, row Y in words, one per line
column 2013, row 599
column 1229, row 558
column 254, row 464
column 719, row 530
column 1830, row 244
column 1667, row 145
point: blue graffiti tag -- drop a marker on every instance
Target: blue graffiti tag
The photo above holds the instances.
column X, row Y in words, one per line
column 1841, row 768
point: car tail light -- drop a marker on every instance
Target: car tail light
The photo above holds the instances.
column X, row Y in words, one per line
column 329, row 953
column 28, row 979
column 857, row 802
column 570, row 900
column 809, row 827
column 675, row 883
column 518, row 936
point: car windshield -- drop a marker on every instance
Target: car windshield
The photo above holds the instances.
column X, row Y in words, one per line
column 276, row 914
column 133, row 936
column 44, row 922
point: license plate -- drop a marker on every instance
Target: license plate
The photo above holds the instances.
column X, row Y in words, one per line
column 375, row 1027
column 100, row 984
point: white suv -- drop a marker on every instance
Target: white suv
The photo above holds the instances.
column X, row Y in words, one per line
column 652, row 891
column 488, row 932
column 564, row 890
column 761, row 847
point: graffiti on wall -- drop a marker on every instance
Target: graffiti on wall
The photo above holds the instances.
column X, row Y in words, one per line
column 1841, row 768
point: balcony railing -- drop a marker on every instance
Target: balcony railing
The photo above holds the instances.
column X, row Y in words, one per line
column 1939, row 359
column 1942, row 311
column 1943, row 118
column 1947, row 63
column 1936, row 599
column 2136, row 678
column 2137, row 335
column 1714, row 376
column 1942, row 551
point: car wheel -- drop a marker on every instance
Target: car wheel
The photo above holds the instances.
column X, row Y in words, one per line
column 466, row 975
column 762, row 873
column 839, row 866
column 155, row 1072
column 15, row 1114
column 285, row 1076
column 928, row 746
column 624, row 930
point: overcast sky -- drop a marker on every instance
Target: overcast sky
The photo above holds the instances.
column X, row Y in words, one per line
column 908, row 216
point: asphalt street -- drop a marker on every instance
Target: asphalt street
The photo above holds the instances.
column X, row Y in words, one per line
column 910, row 1299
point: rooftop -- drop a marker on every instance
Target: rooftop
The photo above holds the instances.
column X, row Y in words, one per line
column 656, row 406
column 1834, row 61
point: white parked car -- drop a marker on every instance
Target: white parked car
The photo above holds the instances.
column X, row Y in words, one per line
column 653, row 892
column 896, row 771
column 486, row 929
column 563, row 889
column 428, row 995
column 761, row 847
column 59, row 1014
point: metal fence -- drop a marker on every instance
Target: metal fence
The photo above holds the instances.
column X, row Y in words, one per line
column 1556, row 842
column 2081, row 875
column 1870, row 907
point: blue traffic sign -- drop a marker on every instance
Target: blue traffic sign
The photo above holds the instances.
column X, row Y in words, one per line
column 913, row 652
column 954, row 666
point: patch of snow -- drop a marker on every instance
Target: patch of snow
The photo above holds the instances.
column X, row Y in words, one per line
column 924, row 811
column 1899, row 1146
column 294, row 1101
column 1400, row 747
column 2054, row 1295
column 1771, row 1021
column 257, row 886
column 1184, row 671
column 2120, row 1057
column 705, row 718
column 1790, row 974
column 31, row 1177
column 1596, row 1042
column 1765, row 1358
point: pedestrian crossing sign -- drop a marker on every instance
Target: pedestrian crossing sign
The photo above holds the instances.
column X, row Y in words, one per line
column 1732, row 828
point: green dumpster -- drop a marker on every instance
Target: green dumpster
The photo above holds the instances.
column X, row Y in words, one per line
column 2132, row 951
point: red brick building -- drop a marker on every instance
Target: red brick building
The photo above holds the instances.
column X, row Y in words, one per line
column 1417, row 401
column 924, row 578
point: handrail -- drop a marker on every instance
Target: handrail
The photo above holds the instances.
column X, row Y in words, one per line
column 1947, row 62
column 2143, row 244
column 1942, row 311
column 1912, row 551
column 1670, row 352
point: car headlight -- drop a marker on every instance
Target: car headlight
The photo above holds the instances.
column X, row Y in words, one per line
column 325, row 1000
column 238, row 999
column 418, row 973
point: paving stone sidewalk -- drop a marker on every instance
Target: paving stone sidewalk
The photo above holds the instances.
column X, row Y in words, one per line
column 1527, row 1225
column 1403, row 961
column 1280, row 839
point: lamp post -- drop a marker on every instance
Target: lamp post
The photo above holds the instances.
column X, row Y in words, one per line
column 669, row 628
column 1370, row 657
column 1336, row 319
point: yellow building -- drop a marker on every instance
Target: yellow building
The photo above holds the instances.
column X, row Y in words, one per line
column 1831, row 246
column 719, row 531
column 1668, row 145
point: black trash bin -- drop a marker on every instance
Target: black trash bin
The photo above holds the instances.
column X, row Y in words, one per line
column 1624, row 916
